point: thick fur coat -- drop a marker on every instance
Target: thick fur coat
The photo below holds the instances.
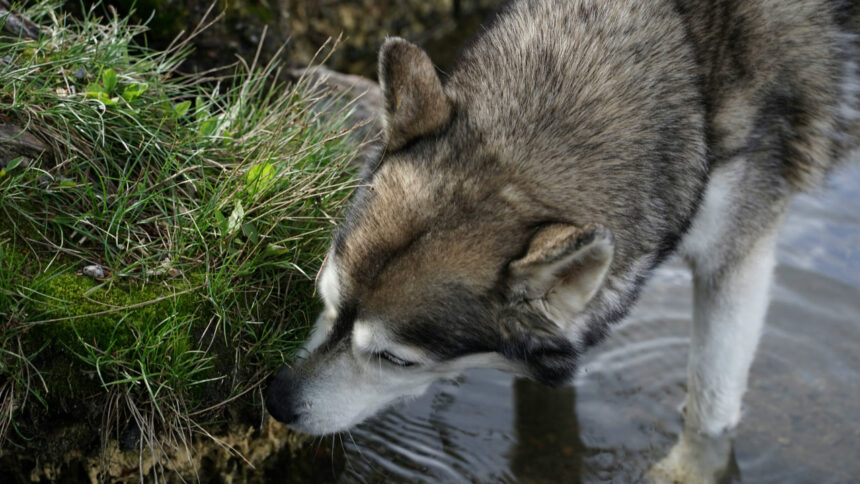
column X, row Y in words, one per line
column 522, row 200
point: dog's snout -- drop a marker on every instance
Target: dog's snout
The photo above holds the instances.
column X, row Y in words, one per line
column 281, row 396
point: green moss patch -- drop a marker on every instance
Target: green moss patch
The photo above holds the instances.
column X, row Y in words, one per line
column 81, row 308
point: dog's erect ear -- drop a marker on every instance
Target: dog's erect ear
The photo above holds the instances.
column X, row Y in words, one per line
column 562, row 269
column 415, row 103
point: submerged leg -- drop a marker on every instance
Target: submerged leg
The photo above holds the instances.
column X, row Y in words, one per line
column 730, row 249
column 730, row 305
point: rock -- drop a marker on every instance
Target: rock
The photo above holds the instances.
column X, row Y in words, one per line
column 80, row 73
column 129, row 439
column 360, row 96
column 16, row 24
column 95, row 271
column 364, row 24
column 232, row 454
column 15, row 142
column 304, row 26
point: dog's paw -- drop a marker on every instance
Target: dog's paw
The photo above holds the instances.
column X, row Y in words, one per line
column 694, row 459
column 671, row 470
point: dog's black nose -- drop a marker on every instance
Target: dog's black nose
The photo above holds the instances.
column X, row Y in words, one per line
column 281, row 397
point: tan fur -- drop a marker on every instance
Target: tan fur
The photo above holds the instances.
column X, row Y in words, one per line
column 522, row 201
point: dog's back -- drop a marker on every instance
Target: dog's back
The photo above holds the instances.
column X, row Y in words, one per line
column 780, row 77
column 782, row 104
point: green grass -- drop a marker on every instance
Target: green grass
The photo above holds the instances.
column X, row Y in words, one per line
column 208, row 202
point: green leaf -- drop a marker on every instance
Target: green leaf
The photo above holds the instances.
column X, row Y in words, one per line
column 259, row 177
column 109, row 80
column 222, row 222
column 274, row 250
column 102, row 96
column 93, row 90
column 14, row 163
column 180, row 109
column 133, row 91
column 201, row 112
column 250, row 231
column 2, row 173
column 208, row 127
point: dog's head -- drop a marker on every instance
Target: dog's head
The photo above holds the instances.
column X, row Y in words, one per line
column 443, row 263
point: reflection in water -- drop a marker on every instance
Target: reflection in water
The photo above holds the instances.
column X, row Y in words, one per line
column 547, row 445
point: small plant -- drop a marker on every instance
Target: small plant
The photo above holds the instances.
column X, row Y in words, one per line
column 104, row 91
column 107, row 91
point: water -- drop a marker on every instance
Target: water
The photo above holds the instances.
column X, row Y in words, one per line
column 621, row 414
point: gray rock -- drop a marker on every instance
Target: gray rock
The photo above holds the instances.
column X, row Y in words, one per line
column 15, row 142
column 17, row 24
column 357, row 95
column 95, row 271
column 80, row 73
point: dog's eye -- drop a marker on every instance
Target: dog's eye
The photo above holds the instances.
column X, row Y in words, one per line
column 394, row 360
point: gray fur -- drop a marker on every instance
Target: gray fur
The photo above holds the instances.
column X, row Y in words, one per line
column 579, row 117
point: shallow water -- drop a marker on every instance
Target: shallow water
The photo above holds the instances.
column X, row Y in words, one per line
column 621, row 414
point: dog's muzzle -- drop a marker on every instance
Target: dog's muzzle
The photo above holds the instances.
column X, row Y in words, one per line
column 281, row 397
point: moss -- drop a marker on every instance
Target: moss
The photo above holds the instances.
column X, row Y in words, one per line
column 64, row 350
column 12, row 263
column 77, row 296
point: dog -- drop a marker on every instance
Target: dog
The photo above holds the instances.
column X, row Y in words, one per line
column 521, row 203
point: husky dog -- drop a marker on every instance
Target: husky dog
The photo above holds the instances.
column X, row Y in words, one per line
column 521, row 203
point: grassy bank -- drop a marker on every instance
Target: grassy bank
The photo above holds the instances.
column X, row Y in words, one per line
column 158, row 244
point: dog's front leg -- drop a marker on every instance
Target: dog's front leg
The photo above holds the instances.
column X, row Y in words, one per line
column 730, row 302
column 730, row 248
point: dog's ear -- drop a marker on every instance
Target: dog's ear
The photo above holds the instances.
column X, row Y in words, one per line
column 562, row 270
column 415, row 103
